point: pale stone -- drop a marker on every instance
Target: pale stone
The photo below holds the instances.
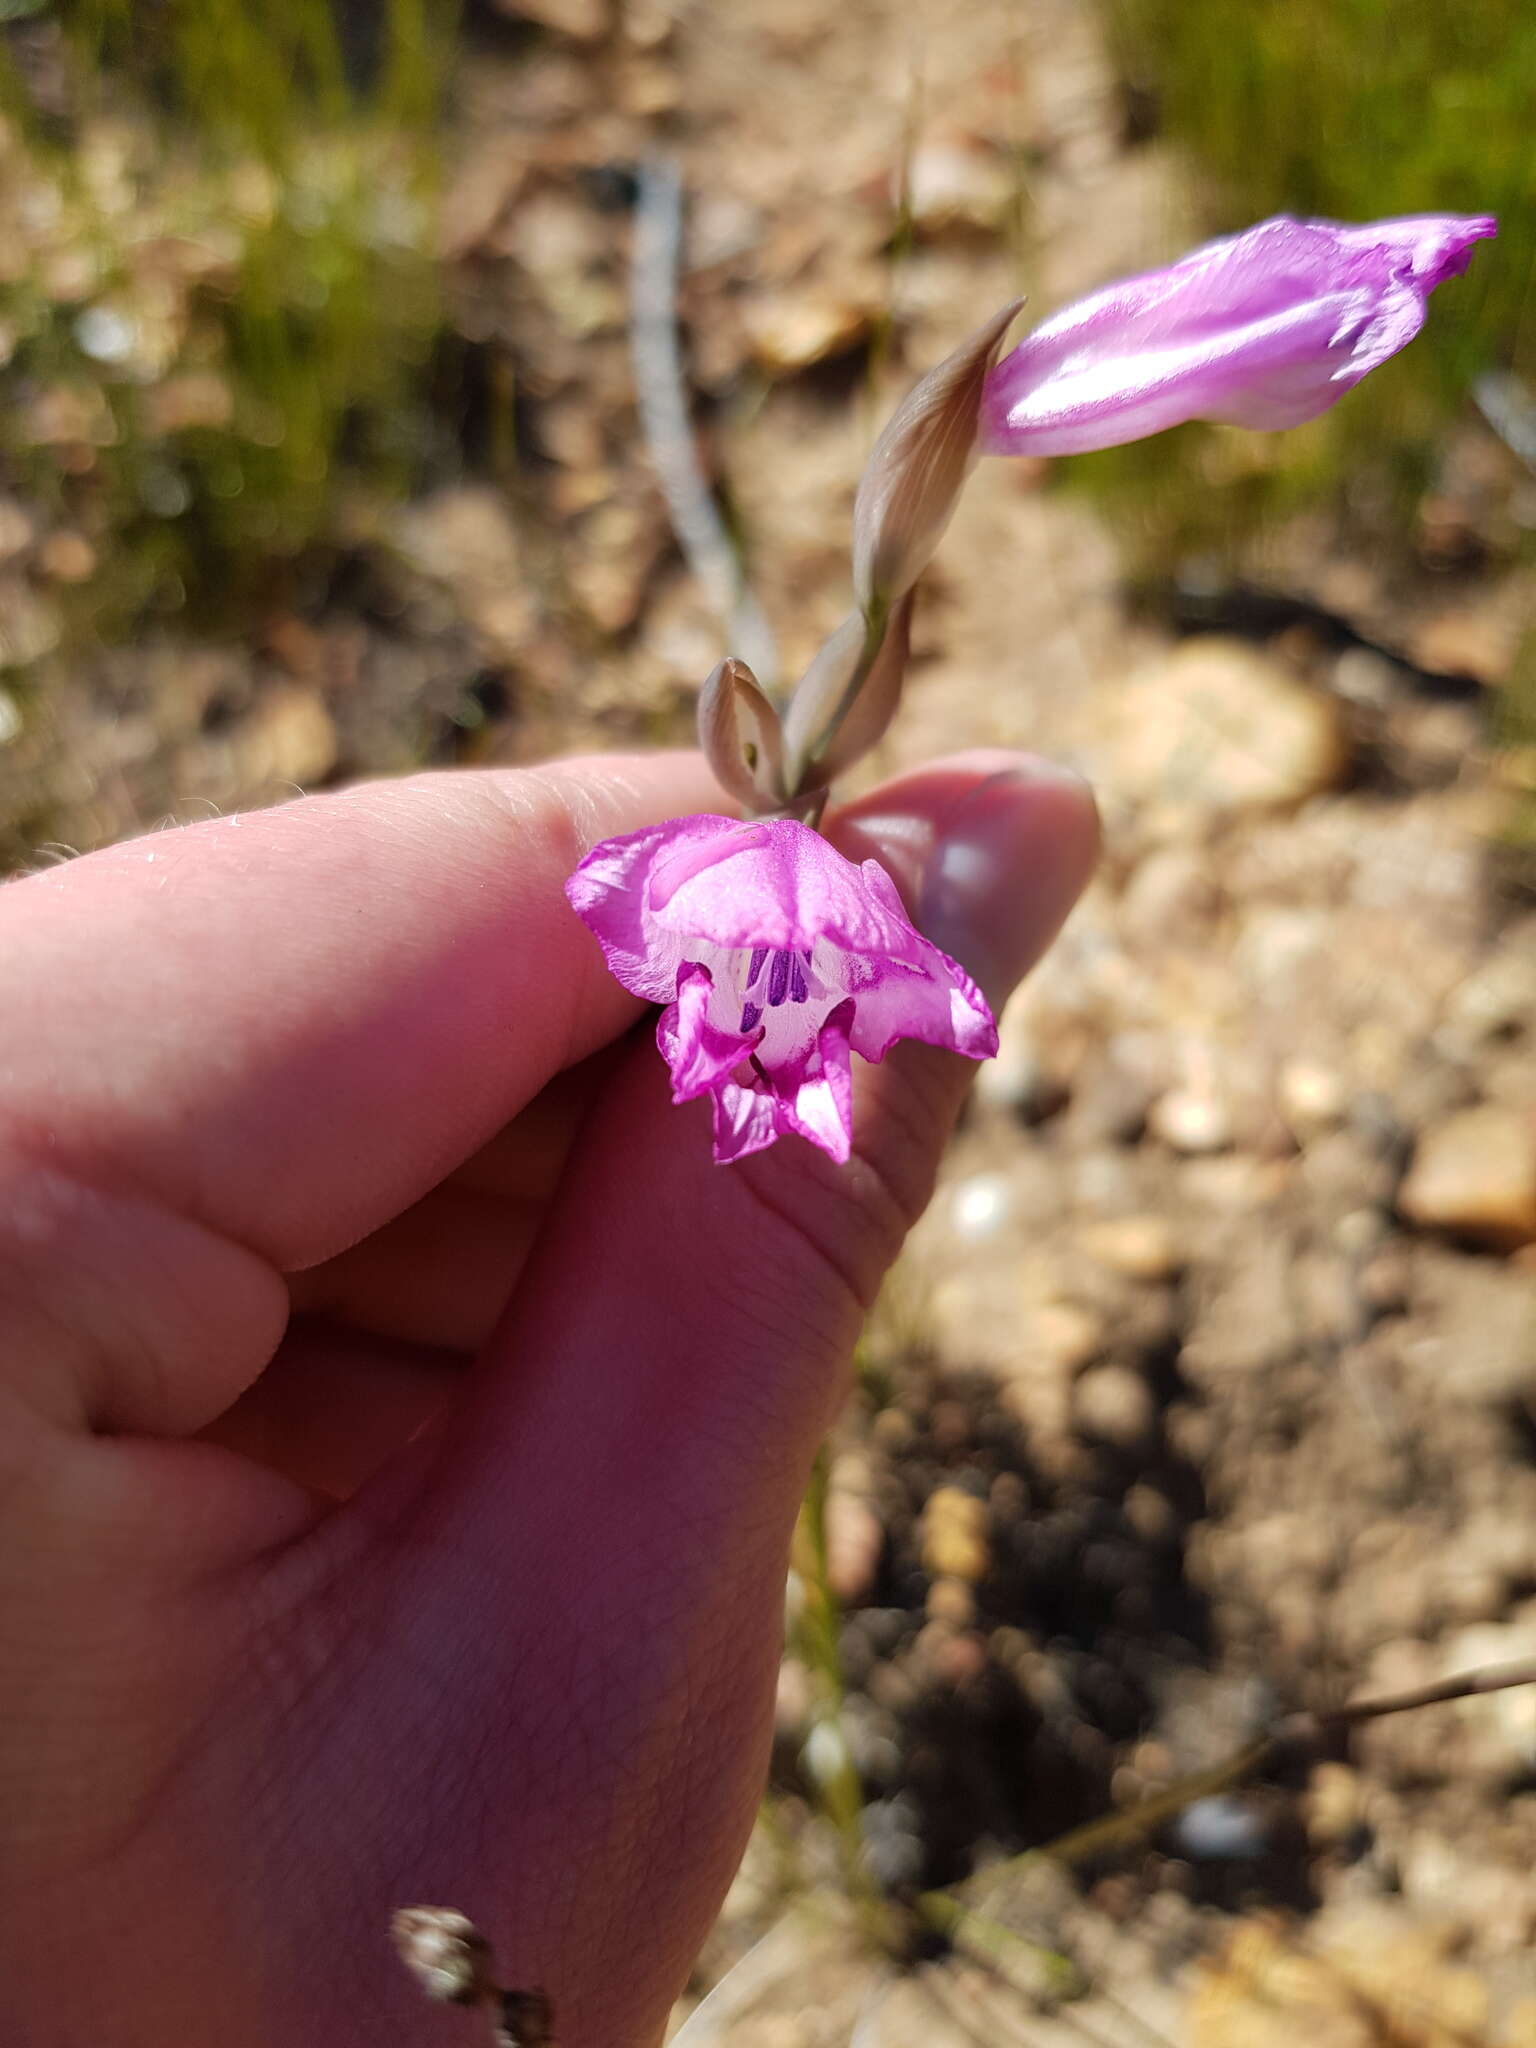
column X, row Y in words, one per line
column 1474, row 1173
column 1140, row 1247
column 789, row 334
column 954, row 1531
column 855, row 1539
column 1191, row 1120
column 980, row 1205
column 1219, row 727
column 290, row 738
column 1312, row 1097
column 1114, row 1403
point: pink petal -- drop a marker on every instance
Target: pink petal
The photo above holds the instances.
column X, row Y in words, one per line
column 1263, row 329
column 819, row 1102
column 940, row 1006
column 774, row 883
column 607, row 892
column 744, row 1122
column 698, row 1055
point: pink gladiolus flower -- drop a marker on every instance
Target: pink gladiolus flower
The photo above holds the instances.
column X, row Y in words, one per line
column 1263, row 329
column 776, row 958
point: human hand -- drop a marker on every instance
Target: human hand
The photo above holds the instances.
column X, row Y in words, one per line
column 402, row 1420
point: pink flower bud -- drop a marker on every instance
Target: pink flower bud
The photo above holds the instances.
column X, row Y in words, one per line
column 1263, row 329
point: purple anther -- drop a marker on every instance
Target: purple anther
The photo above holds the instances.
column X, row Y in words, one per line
column 778, row 980
column 751, row 1017
column 797, row 986
column 759, row 955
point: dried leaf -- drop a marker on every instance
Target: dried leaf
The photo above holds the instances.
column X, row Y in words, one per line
column 914, row 474
column 816, row 754
column 740, row 735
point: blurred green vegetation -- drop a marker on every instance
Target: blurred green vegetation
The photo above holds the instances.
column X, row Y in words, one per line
column 1350, row 110
column 219, row 291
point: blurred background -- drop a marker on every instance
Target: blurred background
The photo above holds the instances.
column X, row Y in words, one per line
column 1207, row 1391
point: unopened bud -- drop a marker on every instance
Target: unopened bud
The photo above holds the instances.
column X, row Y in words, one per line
column 913, row 478
column 740, row 736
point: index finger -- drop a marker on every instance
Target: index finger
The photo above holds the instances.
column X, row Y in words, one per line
column 290, row 1024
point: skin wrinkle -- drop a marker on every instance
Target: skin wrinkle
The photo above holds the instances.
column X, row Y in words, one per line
column 121, row 1362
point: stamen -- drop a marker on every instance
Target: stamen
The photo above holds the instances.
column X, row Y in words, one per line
column 798, row 991
column 759, row 955
column 751, row 1017
column 778, row 980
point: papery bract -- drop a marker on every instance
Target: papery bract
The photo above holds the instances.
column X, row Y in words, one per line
column 776, row 959
column 1263, row 329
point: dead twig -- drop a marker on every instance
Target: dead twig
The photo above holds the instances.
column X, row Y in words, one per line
column 1300, row 1731
column 661, row 392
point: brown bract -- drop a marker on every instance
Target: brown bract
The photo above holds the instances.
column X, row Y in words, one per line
column 739, row 736
column 914, row 475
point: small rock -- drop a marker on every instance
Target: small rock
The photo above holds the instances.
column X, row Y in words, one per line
column 1222, row 1827
column 1312, row 1097
column 1171, row 891
column 951, row 1601
column 824, row 1753
column 29, row 625
column 1334, row 1806
column 16, row 529
column 893, row 1844
column 892, row 1429
column 1499, row 995
column 1115, row 1404
column 1219, row 727
column 290, row 737
column 1062, row 1336
column 789, row 334
column 1151, row 1514
column 1503, row 1723
column 1474, row 1173
column 980, row 1205
column 950, row 186
column 855, row 1539
column 954, row 1657
column 1191, row 1120
column 792, row 1701
column 584, row 21
column 192, row 398
column 1465, row 643
column 954, row 1535
column 1140, row 1247
column 648, row 87
column 67, row 557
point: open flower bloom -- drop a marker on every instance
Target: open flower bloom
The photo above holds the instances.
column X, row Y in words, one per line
column 776, row 959
column 1263, row 329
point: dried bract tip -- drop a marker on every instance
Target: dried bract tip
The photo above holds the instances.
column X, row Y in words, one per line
column 445, row 1952
column 914, row 475
column 740, row 736
column 836, row 713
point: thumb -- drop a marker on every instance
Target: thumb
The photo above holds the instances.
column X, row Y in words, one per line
column 601, row 1542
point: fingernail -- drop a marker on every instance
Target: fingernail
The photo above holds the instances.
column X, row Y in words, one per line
column 1013, row 857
